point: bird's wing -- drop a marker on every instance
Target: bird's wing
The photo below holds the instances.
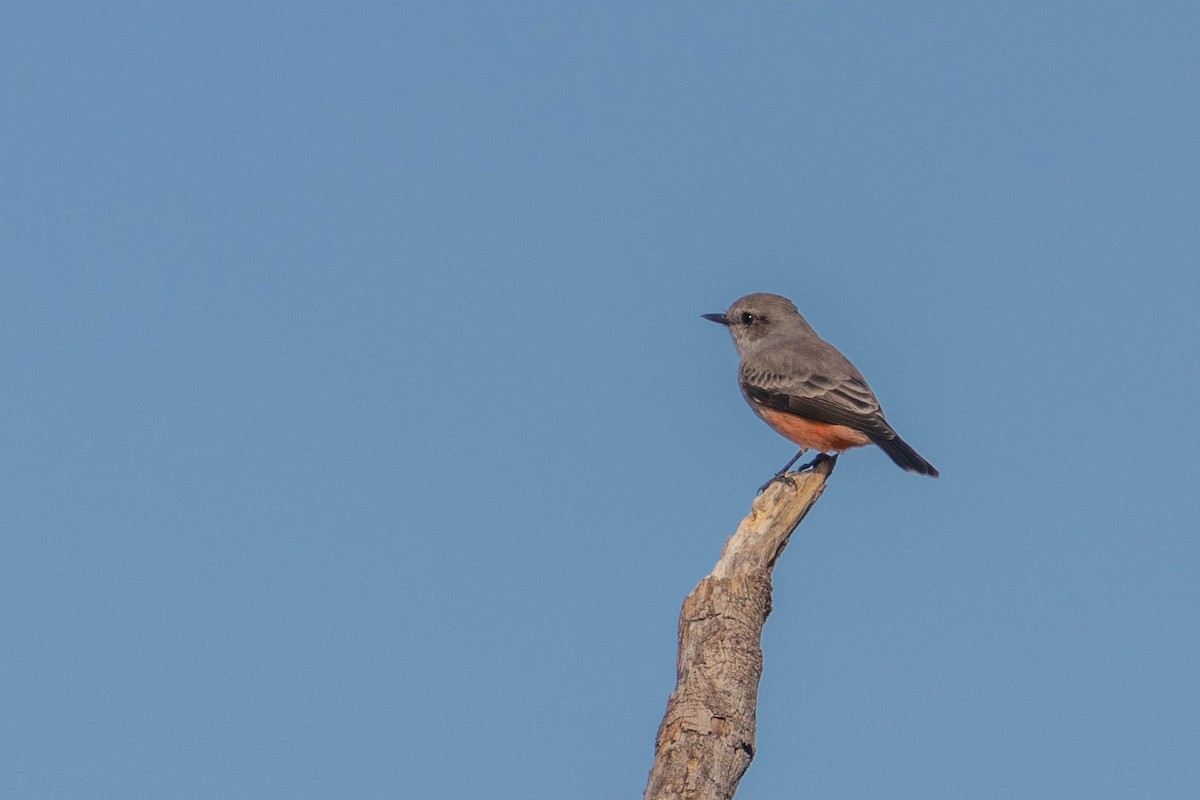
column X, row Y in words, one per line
column 835, row 396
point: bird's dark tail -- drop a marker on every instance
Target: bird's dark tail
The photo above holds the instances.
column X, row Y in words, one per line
column 905, row 457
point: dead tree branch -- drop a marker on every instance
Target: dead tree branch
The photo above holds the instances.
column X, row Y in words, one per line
column 706, row 740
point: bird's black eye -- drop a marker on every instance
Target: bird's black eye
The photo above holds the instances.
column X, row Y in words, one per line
column 746, row 318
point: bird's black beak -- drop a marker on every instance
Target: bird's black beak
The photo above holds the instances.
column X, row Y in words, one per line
column 718, row 318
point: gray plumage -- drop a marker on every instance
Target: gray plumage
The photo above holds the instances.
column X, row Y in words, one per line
column 786, row 366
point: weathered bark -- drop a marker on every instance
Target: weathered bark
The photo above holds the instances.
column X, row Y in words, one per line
column 706, row 739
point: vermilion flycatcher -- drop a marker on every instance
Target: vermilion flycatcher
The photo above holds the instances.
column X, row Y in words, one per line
column 802, row 387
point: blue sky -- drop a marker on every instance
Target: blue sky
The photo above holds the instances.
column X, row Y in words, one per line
column 361, row 436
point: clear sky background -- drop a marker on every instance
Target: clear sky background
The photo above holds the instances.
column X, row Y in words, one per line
column 360, row 435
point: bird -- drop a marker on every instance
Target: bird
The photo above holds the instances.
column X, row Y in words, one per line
column 804, row 388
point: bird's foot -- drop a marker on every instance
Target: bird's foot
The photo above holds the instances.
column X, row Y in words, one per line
column 820, row 457
column 780, row 477
column 784, row 475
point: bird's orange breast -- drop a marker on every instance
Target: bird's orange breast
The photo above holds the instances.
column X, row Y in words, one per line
column 810, row 434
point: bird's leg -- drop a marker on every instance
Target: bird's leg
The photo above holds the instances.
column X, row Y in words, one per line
column 788, row 465
column 782, row 475
column 820, row 457
column 783, row 472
